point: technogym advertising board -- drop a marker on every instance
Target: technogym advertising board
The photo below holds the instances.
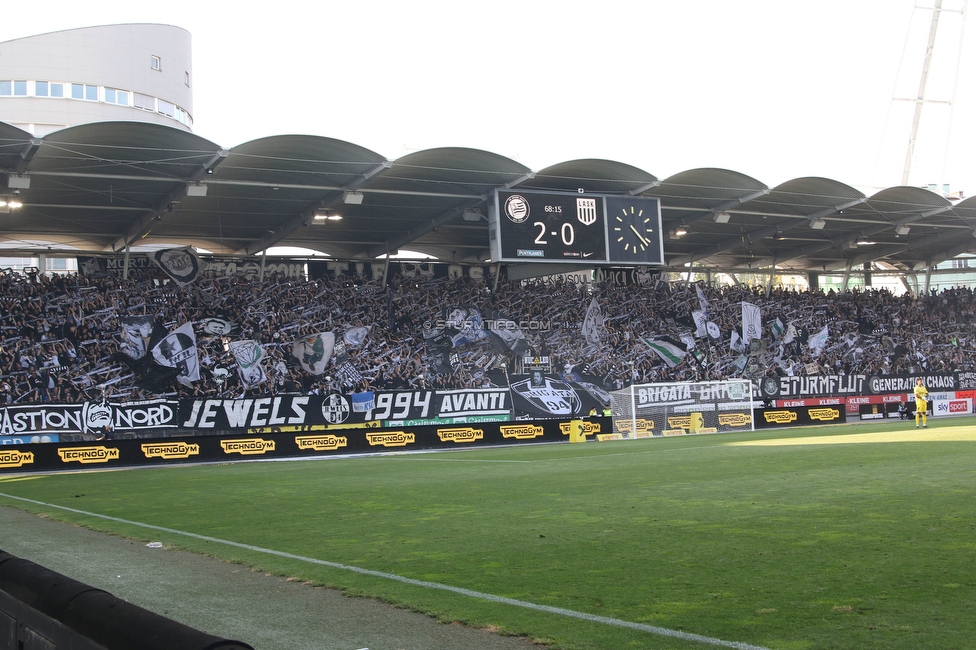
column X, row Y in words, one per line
column 283, row 441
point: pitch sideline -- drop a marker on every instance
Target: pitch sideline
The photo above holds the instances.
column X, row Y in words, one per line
column 651, row 629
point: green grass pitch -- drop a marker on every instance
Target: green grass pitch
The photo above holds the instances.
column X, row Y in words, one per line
column 857, row 536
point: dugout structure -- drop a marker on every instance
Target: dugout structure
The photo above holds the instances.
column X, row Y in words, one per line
column 646, row 410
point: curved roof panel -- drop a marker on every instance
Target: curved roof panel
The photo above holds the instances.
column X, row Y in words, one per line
column 100, row 187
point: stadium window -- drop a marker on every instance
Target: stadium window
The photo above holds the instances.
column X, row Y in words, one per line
column 144, row 102
column 960, row 264
column 57, row 90
column 166, row 108
column 186, row 79
column 20, row 88
column 155, row 63
column 84, row 91
column 113, row 96
column 6, row 88
column 41, row 89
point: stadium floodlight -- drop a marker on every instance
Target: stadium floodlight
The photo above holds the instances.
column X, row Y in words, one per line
column 196, row 189
column 472, row 215
column 8, row 203
column 721, row 217
column 902, row 230
column 818, row 224
column 325, row 214
column 352, row 198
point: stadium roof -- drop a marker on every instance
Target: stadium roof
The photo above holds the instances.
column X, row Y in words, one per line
column 97, row 187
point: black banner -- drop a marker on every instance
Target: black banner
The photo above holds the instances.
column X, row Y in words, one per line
column 539, row 395
column 94, row 418
column 833, row 385
column 967, row 380
column 366, row 409
column 372, row 272
column 249, row 268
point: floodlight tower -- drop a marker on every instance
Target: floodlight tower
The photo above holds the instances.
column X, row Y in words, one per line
column 941, row 69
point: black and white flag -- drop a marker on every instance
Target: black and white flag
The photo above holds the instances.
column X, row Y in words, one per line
column 248, row 355
column 182, row 265
column 178, row 350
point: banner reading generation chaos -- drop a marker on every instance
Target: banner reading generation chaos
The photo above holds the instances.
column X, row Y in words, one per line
column 832, row 385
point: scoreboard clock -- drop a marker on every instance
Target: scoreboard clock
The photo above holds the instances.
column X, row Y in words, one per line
column 634, row 230
column 530, row 226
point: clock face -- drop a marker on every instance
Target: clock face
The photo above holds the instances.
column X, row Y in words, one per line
column 634, row 230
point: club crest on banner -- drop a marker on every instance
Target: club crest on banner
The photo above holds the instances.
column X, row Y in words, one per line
column 180, row 264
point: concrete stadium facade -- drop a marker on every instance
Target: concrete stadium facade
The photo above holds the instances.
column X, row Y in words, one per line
column 128, row 72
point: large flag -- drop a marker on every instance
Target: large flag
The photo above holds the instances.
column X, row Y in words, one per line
column 136, row 334
column 218, row 326
column 702, row 300
column 777, row 327
column 248, row 355
column 593, row 323
column 182, row 265
column 505, row 334
column 790, row 333
column 671, row 351
column 735, row 343
column 701, row 322
column 314, row 352
column 818, row 341
column 751, row 323
column 354, row 336
column 466, row 323
column 178, row 349
column 713, row 330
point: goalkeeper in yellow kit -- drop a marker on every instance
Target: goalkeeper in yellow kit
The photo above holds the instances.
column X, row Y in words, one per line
column 921, row 403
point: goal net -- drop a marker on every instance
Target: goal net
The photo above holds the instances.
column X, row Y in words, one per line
column 646, row 410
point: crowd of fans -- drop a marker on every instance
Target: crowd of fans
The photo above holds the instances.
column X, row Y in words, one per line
column 60, row 335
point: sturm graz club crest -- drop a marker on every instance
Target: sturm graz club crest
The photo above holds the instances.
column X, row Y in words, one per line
column 335, row 409
column 769, row 386
column 517, row 208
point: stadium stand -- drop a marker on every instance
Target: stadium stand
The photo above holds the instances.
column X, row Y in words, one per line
column 61, row 336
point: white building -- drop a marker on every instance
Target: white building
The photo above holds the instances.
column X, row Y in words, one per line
column 133, row 72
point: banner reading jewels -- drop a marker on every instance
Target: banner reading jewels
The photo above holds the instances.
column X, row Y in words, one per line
column 366, row 409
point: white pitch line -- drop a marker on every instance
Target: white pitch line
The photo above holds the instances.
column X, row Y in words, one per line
column 660, row 631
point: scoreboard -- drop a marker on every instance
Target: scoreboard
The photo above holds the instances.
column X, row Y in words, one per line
column 566, row 227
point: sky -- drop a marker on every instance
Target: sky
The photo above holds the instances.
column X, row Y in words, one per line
column 773, row 89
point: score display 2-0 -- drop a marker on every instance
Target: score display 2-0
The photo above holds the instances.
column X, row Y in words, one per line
column 529, row 226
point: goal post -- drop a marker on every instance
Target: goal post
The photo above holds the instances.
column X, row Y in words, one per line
column 647, row 410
